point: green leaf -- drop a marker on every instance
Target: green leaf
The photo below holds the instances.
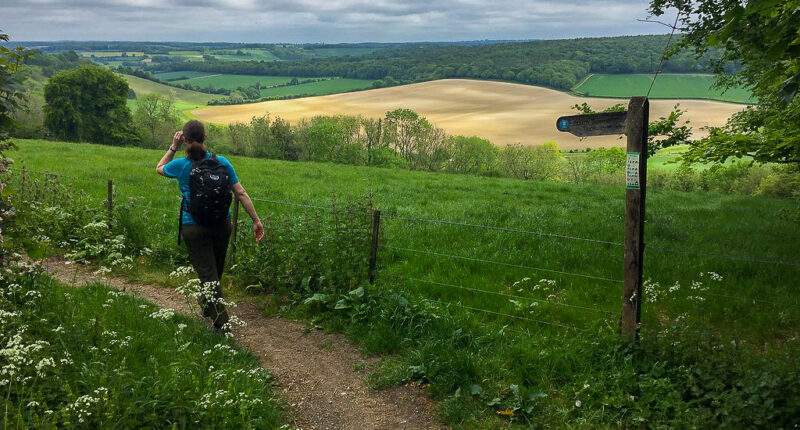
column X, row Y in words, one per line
column 357, row 293
column 342, row 304
column 317, row 298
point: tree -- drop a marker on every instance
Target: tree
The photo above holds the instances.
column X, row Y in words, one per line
column 471, row 155
column 539, row 162
column 12, row 97
column 155, row 119
column 403, row 128
column 88, row 104
column 763, row 37
column 661, row 133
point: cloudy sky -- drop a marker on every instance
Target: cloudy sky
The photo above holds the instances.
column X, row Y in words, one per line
column 320, row 20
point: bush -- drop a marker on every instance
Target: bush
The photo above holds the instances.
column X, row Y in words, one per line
column 783, row 182
column 540, row 163
column 323, row 252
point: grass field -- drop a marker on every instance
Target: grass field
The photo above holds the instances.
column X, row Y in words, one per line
column 696, row 225
column 170, row 76
column 102, row 54
column 504, row 113
column 254, row 55
column 332, row 86
column 185, row 100
column 231, row 82
column 513, row 326
column 667, row 86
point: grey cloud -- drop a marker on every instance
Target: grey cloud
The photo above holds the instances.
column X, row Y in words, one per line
column 319, row 20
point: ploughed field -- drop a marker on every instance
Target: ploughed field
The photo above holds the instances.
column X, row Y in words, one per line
column 504, row 113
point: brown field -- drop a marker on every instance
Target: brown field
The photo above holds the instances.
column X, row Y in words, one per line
column 501, row 112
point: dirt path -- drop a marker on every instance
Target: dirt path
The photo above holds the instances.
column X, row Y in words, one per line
column 315, row 372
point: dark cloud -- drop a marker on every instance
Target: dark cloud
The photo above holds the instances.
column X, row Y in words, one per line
column 319, row 20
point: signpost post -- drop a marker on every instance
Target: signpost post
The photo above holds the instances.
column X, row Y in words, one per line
column 634, row 124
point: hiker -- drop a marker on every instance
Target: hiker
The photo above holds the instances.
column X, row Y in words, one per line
column 206, row 181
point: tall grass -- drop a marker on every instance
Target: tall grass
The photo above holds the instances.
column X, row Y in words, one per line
column 527, row 340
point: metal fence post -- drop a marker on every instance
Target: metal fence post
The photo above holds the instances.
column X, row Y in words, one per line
column 373, row 253
column 110, row 204
column 636, row 186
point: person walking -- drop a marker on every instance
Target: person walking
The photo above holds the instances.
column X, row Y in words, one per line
column 206, row 182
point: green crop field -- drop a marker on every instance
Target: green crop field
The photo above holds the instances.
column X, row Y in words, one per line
column 320, row 88
column 667, row 86
column 231, row 82
column 555, row 229
column 252, row 55
column 185, row 100
column 101, row 54
column 185, row 74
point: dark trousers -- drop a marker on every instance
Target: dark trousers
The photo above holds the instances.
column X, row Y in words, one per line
column 207, row 248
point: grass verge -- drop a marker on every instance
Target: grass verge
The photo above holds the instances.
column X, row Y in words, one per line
column 95, row 357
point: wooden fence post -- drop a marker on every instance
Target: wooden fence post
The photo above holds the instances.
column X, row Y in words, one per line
column 234, row 229
column 636, row 186
column 110, row 204
column 373, row 252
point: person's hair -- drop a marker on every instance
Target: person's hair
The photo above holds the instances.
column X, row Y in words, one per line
column 194, row 134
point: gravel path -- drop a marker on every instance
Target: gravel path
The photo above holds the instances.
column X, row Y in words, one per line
column 315, row 372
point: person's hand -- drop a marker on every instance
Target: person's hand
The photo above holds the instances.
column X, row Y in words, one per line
column 258, row 231
column 177, row 139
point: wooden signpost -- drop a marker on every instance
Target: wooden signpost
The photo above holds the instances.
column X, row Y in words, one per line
column 632, row 123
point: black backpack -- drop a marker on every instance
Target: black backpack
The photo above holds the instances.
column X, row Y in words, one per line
column 209, row 193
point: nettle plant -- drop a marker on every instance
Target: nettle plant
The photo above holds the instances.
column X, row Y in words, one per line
column 316, row 252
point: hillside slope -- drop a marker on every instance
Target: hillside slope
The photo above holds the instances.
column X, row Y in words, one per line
column 504, row 113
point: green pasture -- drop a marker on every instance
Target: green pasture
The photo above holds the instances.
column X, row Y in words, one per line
column 569, row 235
column 185, row 100
column 103, row 54
column 253, row 55
column 169, row 76
column 230, row 81
column 319, row 88
column 667, row 86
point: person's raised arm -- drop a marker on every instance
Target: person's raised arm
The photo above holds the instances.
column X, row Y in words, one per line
column 176, row 144
column 247, row 204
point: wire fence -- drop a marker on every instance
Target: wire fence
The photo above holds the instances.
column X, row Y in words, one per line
column 606, row 284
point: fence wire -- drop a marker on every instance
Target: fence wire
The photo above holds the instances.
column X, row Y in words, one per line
column 124, row 185
column 499, row 263
column 498, row 293
column 505, row 229
column 517, row 317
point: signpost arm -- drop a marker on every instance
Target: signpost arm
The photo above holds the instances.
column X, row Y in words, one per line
column 636, row 186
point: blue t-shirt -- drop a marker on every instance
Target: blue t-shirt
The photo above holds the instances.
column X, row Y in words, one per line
column 181, row 168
